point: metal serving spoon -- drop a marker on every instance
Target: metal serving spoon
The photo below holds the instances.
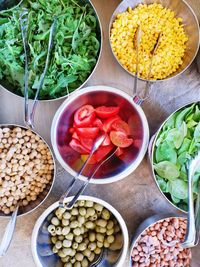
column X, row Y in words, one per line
column 99, row 140
column 29, row 118
column 193, row 225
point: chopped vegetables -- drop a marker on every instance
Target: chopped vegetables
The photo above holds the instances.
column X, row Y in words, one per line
column 79, row 234
column 153, row 19
column 177, row 142
column 75, row 51
column 96, row 120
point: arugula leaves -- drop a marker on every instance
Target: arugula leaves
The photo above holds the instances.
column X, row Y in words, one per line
column 177, row 142
column 75, row 52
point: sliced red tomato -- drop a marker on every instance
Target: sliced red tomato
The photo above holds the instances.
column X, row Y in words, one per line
column 135, row 125
column 106, row 112
column 84, row 116
column 106, row 141
column 102, row 152
column 75, row 136
column 87, row 142
column 91, row 161
column 108, row 123
column 98, row 123
column 119, row 152
column 120, row 139
column 89, row 132
column 71, row 130
column 122, row 126
column 137, row 143
column 76, row 145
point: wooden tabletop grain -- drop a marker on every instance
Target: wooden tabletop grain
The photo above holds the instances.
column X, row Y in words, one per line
column 139, row 197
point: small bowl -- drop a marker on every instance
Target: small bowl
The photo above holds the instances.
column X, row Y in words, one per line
column 40, row 242
column 151, row 153
column 11, row 89
column 32, row 205
column 116, row 168
column 191, row 25
column 147, row 224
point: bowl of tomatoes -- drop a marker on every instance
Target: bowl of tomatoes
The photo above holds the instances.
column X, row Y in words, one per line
column 87, row 114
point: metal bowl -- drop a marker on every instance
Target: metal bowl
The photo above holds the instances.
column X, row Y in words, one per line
column 43, row 195
column 40, row 241
column 151, row 153
column 116, row 168
column 145, row 225
column 182, row 9
column 9, row 88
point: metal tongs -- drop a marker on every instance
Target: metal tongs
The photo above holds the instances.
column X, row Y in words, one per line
column 193, row 225
column 29, row 117
column 137, row 42
column 62, row 201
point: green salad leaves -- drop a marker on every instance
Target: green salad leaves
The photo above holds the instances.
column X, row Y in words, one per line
column 177, row 142
column 75, row 51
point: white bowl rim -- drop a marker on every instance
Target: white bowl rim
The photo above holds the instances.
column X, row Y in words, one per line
column 143, row 118
column 83, row 197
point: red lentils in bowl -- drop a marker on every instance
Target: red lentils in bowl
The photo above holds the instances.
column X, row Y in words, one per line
column 160, row 245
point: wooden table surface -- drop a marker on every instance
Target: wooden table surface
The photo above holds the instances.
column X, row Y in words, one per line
column 135, row 197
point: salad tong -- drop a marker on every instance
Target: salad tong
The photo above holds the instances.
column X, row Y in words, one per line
column 29, row 117
column 137, row 43
column 193, row 225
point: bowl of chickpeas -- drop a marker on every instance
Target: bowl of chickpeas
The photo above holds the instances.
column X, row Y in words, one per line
column 27, row 169
column 173, row 22
column 78, row 237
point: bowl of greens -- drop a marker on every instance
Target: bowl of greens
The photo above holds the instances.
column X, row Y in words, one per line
column 175, row 143
column 74, row 56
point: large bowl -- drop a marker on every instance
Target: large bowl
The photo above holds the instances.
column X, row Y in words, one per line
column 40, row 242
column 147, row 224
column 116, row 168
column 151, row 153
column 9, row 88
column 32, row 205
column 182, row 9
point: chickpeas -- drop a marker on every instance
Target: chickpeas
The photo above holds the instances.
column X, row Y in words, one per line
column 81, row 233
column 23, row 169
column 159, row 235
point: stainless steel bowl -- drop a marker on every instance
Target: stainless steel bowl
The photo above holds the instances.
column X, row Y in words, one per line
column 182, row 9
column 151, row 152
column 115, row 169
column 40, row 242
column 145, row 225
column 9, row 88
column 43, row 195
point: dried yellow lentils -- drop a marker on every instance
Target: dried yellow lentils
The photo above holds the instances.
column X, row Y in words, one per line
column 153, row 19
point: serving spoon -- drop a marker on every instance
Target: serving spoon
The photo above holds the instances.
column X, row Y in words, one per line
column 193, row 225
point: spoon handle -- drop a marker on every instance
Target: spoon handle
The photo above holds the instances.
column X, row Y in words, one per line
column 97, row 144
column 5, row 243
column 82, row 189
column 197, row 216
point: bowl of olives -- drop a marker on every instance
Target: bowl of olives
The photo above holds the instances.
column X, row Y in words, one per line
column 91, row 231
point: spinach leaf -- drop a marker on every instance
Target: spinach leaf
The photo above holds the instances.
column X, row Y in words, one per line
column 179, row 189
column 167, row 169
column 166, row 152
